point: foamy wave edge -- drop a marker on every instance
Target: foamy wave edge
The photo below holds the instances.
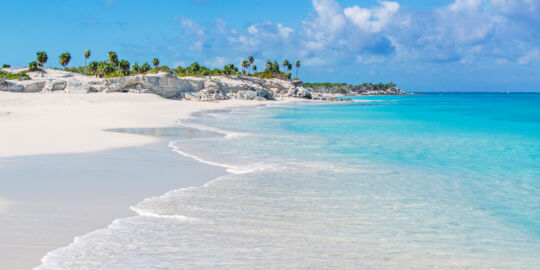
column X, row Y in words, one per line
column 229, row 168
column 50, row 260
column 227, row 133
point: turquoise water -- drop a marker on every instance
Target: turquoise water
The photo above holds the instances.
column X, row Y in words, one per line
column 447, row 181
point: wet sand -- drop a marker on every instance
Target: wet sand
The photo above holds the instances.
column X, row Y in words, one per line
column 50, row 199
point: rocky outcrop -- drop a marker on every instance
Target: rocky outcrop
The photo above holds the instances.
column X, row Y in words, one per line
column 53, row 85
column 165, row 84
column 10, row 86
column 351, row 90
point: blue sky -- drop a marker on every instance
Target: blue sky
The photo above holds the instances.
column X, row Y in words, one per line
column 422, row 45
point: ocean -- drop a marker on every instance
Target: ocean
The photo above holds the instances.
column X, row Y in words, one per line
column 434, row 181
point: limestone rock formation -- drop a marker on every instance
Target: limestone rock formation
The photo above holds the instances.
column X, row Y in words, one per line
column 167, row 85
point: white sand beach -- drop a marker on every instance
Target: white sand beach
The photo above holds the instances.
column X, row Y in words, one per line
column 73, row 123
column 62, row 174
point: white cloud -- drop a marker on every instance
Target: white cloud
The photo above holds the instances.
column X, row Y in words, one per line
column 330, row 15
column 191, row 27
column 516, row 6
column 464, row 22
column 372, row 20
column 337, row 33
column 263, row 36
column 196, row 46
column 465, row 5
column 532, row 56
column 463, row 31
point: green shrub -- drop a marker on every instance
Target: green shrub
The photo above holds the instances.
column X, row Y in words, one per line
column 160, row 69
column 105, row 68
column 14, row 76
column 93, row 68
column 342, row 87
column 33, row 66
column 5, row 66
column 115, row 74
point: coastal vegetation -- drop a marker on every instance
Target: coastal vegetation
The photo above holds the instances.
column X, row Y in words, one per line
column 42, row 59
column 14, row 76
column 33, row 66
column 86, row 55
column 113, row 66
column 342, row 88
column 64, row 59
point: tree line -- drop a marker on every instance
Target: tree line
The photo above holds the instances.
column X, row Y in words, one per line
column 115, row 67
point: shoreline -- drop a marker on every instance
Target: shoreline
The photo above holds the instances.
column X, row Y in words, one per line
column 42, row 209
column 48, row 212
column 52, row 123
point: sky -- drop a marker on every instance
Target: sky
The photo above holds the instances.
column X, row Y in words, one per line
column 421, row 45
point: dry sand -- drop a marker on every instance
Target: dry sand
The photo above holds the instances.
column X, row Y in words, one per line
column 38, row 123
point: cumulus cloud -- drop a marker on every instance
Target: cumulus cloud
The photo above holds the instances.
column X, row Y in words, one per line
column 372, row 20
column 464, row 22
column 462, row 31
column 341, row 34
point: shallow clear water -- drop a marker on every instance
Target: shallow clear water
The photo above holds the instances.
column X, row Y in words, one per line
column 447, row 181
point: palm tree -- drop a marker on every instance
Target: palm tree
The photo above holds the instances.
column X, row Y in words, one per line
column 275, row 67
column 251, row 60
column 86, row 55
column 93, row 67
column 113, row 59
column 64, row 59
column 155, row 62
column 194, row 68
column 124, row 66
column 230, row 69
column 145, row 67
column 245, row 64
column 42, row 59
column 135, row 68
column 105, row 68
column 269, row 64
column 254, row 67
column 285, row 64
column 298, row 64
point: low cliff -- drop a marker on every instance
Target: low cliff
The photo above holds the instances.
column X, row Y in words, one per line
column 164, row 84
column 355, row 90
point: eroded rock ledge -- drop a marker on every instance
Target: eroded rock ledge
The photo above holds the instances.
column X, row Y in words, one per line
column 167, row 85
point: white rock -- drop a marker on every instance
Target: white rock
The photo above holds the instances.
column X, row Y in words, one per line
column 165, row 84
